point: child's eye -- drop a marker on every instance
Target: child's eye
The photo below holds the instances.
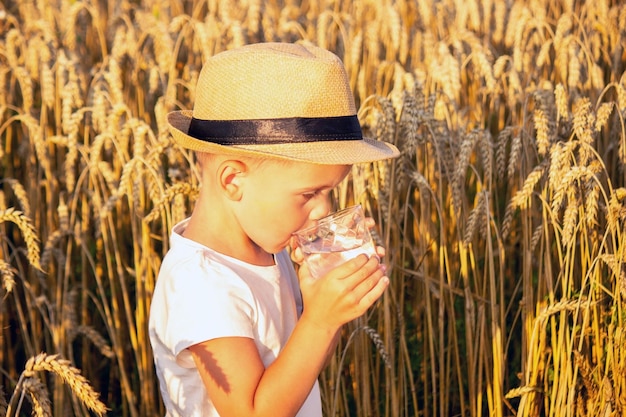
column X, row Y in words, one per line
column 312, row 194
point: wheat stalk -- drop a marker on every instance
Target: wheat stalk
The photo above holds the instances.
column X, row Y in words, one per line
column 586, row 373
column 20, row 194
column 502, row 142
column 514, row 155
column 544, row 54
column 516, row 33
column 560, row 155
column 96, row 338
column 70, row 375
column 38, row 395
column 392, row 18
column 561, row 101
column 584, row 121
column 602, row 115
column 26, row 87
column 521, row 199
column 123, row 187
column 573, row 177
column 47, row 84
column 181, row 188
column 521, row 391
column 7, row 273
column 618, row 269
column 592, row 196
column 28, row 231
column 378, row 342
column 536, row 237
column 542, row 130
column 570, row 216
column 467, row 145
column 36, row 135
column 477, row 218
column 3, row 403
column 563, row 305
column 573, row 67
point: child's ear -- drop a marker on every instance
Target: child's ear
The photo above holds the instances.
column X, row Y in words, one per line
column 231, row 175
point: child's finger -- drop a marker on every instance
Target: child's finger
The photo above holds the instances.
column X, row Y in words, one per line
column 374, row 292
column 296, row 252
column 297, row 256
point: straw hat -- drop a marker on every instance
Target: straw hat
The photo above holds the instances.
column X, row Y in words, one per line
column 278, row 100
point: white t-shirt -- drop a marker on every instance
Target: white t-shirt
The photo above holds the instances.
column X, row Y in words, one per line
column 202, row 295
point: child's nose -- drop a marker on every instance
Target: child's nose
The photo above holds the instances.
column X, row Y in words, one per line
column 321, row 209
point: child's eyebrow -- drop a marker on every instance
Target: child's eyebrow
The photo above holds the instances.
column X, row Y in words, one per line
column 316, row 188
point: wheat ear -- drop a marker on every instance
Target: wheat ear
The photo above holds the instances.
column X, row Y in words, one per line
column 70, row 375
column 7, row 273
column 522, row 198
column 97, row 339
column 20, row 194
column 521, row 391
column 38, row 395
column 380, row 345
column 169, row 194
column 27, row 229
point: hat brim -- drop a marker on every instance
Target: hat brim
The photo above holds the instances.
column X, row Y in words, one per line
column 327, row 152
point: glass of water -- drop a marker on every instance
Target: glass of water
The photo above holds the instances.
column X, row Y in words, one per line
column 335, row 239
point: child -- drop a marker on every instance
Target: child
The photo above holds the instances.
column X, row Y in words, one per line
column 233, row 330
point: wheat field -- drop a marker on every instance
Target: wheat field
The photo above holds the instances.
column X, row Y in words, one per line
column 504, row 218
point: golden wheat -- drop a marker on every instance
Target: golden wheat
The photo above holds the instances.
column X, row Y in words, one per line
column 573, row 67
column 561, row 101
column 70, row 375
column 183, row 188
column 522, row 199
column 521, row 391
column 569, row 183
column 583, row 124
column 84, row 97
column 502, row 142
column 477, row 217
column 47, row 85
column 20, row 194
column 50, row 247
column 602, row 115
column 514, row 155
column 570, row 217
column 28, row 232
column 7, row 273
column 468, row 142
column 96, row 338
column 592, row 197
column 38, row 396
column 542, row 131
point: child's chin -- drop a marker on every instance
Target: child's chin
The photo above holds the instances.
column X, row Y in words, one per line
column 278, row 248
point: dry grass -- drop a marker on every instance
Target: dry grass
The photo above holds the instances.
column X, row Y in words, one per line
column 503, row 219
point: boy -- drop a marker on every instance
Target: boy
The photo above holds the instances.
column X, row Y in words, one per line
column 233, row 330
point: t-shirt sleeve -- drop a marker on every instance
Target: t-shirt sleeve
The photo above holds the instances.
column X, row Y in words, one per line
column 206, row 300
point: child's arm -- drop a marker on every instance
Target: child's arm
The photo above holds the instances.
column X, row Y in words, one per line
column 233, row 373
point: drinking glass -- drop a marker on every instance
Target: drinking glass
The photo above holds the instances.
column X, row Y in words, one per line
column 335, row 239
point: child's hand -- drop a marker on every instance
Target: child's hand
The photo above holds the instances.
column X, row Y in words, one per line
column 343, row 294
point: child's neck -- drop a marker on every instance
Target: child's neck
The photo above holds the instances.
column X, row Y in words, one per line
column 220, row 233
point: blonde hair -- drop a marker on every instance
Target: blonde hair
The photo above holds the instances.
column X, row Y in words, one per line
column 203, row 159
